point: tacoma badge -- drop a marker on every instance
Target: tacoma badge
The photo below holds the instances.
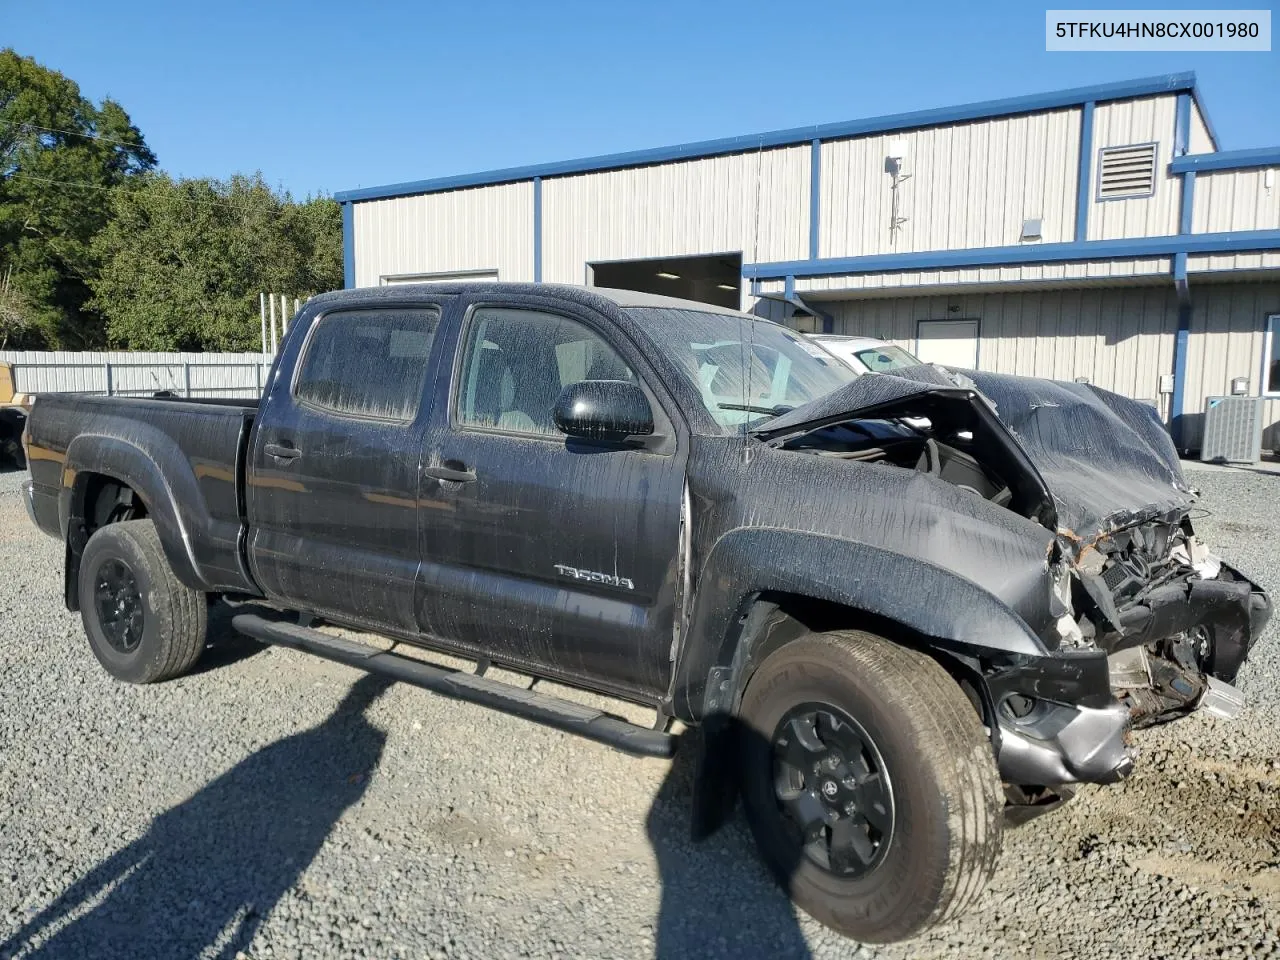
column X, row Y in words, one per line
column 592, row 576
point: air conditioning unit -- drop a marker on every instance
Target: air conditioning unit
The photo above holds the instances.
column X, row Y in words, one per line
column 1232, row 430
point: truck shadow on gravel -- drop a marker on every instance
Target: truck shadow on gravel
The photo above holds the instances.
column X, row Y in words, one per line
column 718, row 899
column 208, row 871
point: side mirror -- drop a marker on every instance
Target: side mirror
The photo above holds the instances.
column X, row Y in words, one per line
column 599, row 409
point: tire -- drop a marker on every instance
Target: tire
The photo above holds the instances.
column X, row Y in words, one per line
column 161, row 634
column 933, row 854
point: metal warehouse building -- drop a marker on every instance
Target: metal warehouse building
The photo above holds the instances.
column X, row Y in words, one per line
column 1092, row 233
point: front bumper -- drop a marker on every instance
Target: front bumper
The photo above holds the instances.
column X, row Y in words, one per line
column 1231, row 608
column 1057, row 721
column 1067, row 745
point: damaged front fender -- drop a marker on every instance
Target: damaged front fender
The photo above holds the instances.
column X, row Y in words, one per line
column 932, row 601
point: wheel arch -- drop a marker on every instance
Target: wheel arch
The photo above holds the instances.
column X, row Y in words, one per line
column 103, row 471
column 799, row 585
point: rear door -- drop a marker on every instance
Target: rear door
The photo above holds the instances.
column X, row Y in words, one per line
column 540, row 550
column 333, row 477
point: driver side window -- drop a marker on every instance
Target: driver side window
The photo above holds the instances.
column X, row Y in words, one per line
column 516, row 363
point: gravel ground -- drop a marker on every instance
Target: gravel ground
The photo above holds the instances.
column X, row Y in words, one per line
column 274, row 805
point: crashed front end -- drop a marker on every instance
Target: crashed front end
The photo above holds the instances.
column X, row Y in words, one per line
column 1140, row 621
column 1151, row 626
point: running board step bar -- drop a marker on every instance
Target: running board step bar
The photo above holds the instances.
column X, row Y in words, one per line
column 532, row 705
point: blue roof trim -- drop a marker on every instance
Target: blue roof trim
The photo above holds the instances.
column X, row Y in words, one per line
column 1227, row 160
column 1145, row 86
column 348, row 247
column 1027, row 253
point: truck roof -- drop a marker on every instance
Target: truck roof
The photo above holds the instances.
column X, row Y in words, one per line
column 592, row 296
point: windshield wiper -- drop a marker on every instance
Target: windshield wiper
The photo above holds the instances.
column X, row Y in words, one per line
column 777, row 411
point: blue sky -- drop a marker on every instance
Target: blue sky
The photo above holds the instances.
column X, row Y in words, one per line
column 326, row 96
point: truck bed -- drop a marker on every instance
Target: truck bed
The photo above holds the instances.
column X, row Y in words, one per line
column 197, row 448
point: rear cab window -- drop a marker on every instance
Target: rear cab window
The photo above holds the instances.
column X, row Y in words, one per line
column 368, row 363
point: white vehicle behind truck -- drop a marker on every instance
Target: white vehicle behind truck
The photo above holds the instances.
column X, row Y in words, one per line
column 865, row 354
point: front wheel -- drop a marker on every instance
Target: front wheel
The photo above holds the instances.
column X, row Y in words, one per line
column 144, row 625
column 869, row 784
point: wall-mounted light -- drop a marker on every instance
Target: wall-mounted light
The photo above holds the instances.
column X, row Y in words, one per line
column 894, row 161
column 1239, row 386
column 726, row 286
column 1032, row 229
column 668, row 276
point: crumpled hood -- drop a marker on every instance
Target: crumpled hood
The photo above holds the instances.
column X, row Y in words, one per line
column 1107, row 461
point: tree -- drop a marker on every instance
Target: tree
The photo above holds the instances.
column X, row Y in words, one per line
column 15, row 313
column 181, row 262
column 60, row 155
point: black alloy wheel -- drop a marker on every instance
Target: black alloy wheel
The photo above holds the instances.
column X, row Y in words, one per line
column 832, row 784
column 119, row 605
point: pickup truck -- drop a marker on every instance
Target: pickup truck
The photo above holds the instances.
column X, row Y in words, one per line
column 900, row 607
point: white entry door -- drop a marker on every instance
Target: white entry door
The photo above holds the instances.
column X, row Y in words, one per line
column 952, row 343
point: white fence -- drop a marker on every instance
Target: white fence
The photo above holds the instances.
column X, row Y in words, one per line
column 127, row 373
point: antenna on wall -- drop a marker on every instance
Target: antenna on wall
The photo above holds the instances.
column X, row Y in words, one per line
column 894, row 164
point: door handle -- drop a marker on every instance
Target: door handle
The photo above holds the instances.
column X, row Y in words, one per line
column 458, row 474
column 281, row 452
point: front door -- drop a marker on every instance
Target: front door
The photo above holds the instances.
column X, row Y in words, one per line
column 333, row 475
column 539, row 550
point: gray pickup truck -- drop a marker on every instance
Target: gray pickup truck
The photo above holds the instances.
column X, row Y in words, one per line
column 902, row 607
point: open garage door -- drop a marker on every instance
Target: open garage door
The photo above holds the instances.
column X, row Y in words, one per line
column 716, row 278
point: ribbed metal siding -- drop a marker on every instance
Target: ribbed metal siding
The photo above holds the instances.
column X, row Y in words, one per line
column 1200, row 263
column 674, row 209
column 972, row 185
column 483, row 228
column 1123, row 123
column 1121, row 339
column 1199, row 140
column 1228, row 324
column 1236, row 200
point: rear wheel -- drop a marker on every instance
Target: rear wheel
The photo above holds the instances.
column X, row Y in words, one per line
column 869, row 784
column 144, row 625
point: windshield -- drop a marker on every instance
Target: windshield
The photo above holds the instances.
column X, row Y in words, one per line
column 743, row 370
column 886, row 357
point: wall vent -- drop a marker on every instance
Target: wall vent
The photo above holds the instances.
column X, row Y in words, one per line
column 1232, row 430
column 1127, row 172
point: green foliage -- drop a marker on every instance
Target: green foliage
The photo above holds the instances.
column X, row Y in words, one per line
column 182, row 261
column 96, row 247
column 50, row 137
column 15, row 313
